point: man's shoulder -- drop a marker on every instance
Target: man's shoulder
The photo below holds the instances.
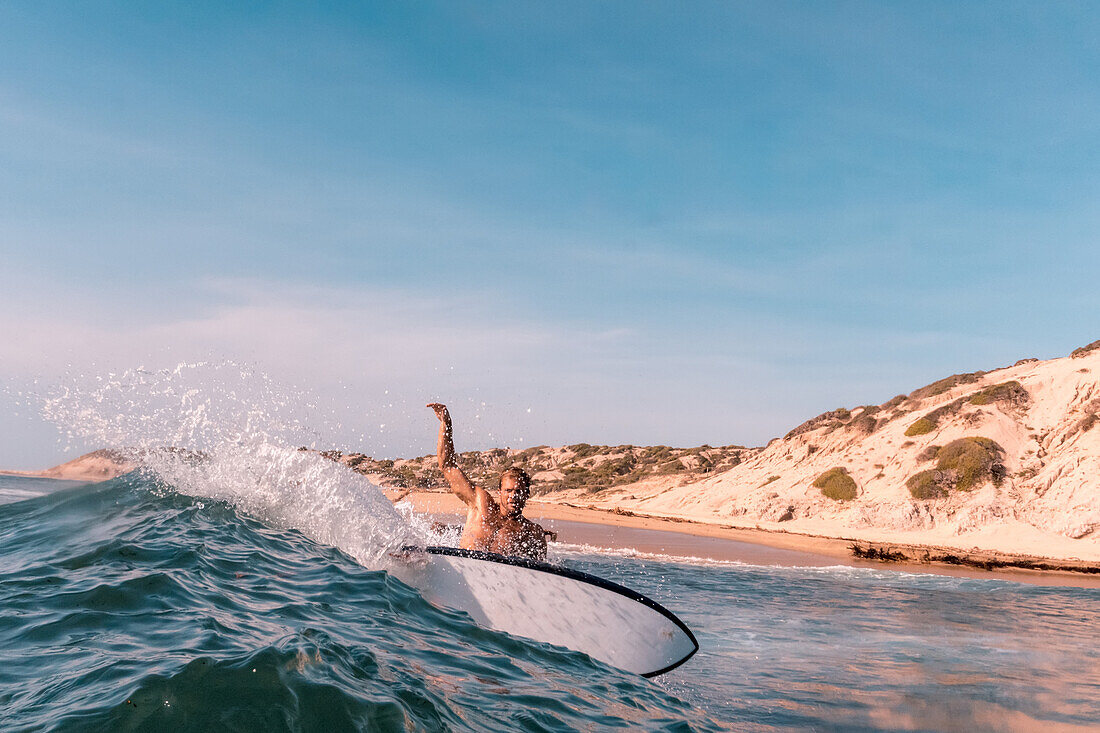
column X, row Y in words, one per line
column 533, row 528
column 484, row 501
column 527, row 522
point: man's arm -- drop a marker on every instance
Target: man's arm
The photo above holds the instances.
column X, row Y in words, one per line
column 448, row 464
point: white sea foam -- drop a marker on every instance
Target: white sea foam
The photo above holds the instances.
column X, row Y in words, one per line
column 568, row 549
column 428, row 530
column 228, row 432
column 559, row 550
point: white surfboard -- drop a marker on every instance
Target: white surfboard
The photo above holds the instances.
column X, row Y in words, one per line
column 552, row 604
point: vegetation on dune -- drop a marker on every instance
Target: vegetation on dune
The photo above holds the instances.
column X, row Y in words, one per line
column 973, row 459
column 893, row 402
column 583, row 450
column 944, row 385
column 581, row 466
column 926, row 485
column 922, row 426
column 673, row 466
column 1085, row 350
column 1006, row 392
column 837, row 484
column 961, row 465
column 865, row 424
column 928, row 453
column 865, row 420
column 831, row 419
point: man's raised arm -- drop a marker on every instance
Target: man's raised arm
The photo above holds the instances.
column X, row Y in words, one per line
column 448, row 464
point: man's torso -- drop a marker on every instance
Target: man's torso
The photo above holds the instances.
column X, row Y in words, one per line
column 492, row 532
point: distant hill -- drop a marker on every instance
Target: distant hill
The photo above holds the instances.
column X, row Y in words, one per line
column 98, row 465
column 581, row 467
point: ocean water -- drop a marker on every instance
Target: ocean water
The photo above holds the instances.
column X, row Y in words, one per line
column 136, row 605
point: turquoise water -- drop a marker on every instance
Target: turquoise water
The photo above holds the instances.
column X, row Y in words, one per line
column 131, row 605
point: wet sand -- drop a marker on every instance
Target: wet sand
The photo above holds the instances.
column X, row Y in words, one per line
column 600, row 529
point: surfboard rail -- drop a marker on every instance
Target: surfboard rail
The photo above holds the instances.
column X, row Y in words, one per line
column 577, row 575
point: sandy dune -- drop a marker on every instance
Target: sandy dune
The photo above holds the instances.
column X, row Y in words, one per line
column 1044, row 416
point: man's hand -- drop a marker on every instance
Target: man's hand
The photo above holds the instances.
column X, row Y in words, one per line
column 441, row 412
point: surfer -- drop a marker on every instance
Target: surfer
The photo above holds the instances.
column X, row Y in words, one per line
column 491, row 526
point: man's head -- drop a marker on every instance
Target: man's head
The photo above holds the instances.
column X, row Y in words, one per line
column 515, row 488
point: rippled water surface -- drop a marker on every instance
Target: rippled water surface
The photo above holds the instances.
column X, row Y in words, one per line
column 128, row 605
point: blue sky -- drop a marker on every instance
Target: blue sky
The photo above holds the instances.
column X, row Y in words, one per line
column 609, row 222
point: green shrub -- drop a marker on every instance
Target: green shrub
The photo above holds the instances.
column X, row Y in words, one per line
column 972, row 459
column 924, row 485
column 865, row 424
column 928, row 453
column 527, row 454
column 583, row 450
column 944, row 385
column 615, row 467
column 1012, row 392
column 837, row 484
column 429, row 478
column 1085, row 350
column 922, row 426
column 770, row 479
column 673, row 466
column 831, row 420
column 893, row 402
column 961, row 465
column 657, row 453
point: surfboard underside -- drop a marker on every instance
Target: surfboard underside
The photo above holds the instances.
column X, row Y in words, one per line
column 552, row 604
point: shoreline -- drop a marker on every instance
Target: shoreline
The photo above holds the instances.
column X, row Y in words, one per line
column 852, row 551
column 839, row 550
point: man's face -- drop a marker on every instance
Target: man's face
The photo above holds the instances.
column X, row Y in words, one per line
column 512, row 496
